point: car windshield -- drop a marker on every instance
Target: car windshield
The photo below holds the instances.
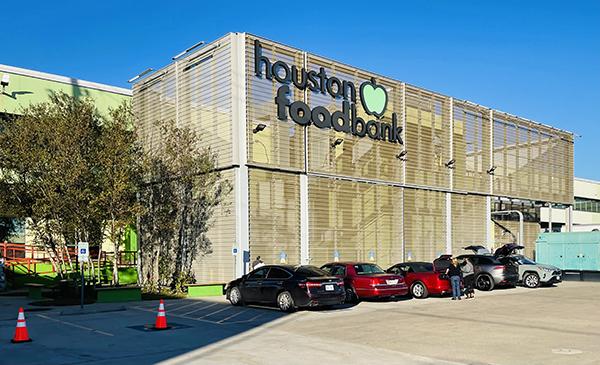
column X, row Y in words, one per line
column 524, row 260
column 310, row 271
column 366, row 269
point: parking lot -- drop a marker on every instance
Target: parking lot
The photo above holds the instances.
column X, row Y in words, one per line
column 554, row 325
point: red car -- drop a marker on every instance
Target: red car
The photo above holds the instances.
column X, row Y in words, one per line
column 366, row 280
column 425, row 278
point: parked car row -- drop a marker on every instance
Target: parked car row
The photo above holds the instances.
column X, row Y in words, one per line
column 291, row 287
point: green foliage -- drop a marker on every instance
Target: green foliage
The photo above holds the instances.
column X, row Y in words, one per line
column 180, row 278
column 179, row 191
column 80, row 177
column 8, row 227
column 69, row 170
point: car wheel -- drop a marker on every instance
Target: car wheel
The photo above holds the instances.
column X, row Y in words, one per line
column 235, row 297
column 286, row 302
column 418, row 290
column 531, row 280
column 484, row 282
column 351, row 296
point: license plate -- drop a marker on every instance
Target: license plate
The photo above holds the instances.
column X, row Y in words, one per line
column 328, row 287
column 392, row 282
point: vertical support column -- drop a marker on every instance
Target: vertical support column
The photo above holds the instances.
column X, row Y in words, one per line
column 488, row 220
column 488, row 209
column 304, row 229
column 177, row 94
column 451, row 141
column 404, row 129
column 570, row 218
column 449, row 223
column 304, row 242
column 491, row 177
column 449, row 195
column 240, row 157
column 549, row 217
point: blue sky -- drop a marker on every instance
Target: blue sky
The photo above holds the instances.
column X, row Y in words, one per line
column 539, row 60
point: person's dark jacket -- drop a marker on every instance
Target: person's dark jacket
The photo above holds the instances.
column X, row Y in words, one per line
column 453, row 270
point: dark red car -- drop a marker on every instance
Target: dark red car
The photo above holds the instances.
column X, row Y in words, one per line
column 366, row 280
column 424, row 278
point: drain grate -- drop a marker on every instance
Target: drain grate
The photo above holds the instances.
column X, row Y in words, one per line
column 566, row 351
column 148, row 327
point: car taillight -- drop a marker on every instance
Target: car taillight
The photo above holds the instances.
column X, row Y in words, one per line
column 500, row 268
column 340, row 283
column 374, row 282
column 313, row 285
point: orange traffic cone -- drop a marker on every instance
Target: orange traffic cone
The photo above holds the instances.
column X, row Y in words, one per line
column 161, row 320
column 21, row 331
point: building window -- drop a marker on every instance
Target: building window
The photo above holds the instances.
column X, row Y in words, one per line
column 587, row 205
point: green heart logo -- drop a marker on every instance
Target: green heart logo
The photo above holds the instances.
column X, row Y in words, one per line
column 373, row 98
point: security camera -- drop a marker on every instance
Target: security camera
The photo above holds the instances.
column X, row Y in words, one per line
column 5, row 81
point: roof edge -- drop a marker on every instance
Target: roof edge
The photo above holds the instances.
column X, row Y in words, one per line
column 64, row 80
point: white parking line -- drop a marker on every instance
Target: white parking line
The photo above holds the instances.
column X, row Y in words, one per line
column 179, row 308
column 199, row 309
column 251, row 319
column 219, row 311
column 75, row 325
column 234, row 315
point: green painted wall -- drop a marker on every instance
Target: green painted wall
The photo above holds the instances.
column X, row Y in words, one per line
column 25, row 90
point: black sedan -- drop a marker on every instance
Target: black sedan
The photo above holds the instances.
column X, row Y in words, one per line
column 287, row 286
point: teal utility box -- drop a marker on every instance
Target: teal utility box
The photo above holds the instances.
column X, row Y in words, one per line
column 579, row 251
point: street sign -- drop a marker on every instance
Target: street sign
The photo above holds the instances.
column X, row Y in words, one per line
column 83, row 251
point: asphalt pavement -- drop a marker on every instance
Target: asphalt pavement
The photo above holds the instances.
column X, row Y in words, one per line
column 548, row 325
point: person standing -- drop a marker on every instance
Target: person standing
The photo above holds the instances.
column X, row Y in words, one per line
column 453, row 271
column 257, row 263
column 468, row 271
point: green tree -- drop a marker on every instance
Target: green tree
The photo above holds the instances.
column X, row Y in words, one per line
column 70, row 172
column 180, row 191
column 46, row 159
column 8, row 227
column 117, row 178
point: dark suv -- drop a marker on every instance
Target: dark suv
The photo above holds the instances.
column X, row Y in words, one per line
column 489, row 272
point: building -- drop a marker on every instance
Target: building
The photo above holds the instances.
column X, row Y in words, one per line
column 21, row 87
column 584, row 213
column 331, row 162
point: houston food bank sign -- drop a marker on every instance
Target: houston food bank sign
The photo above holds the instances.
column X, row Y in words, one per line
column 373, row 98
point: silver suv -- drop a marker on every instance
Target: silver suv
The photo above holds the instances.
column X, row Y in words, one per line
column 531, row 274
column 489, row 272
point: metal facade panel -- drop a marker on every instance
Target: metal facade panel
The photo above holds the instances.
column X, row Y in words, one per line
column 354, row 221
column 219, row 265
column 274, row 203
column 533, row 161
column 469, row 220
column 359, row 157
column 427, row 138
column 471, row 147
column 281, row 143
column 195, row 92
column 424, row 224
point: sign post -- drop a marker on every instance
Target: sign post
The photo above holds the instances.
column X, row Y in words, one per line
column 83, row 253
